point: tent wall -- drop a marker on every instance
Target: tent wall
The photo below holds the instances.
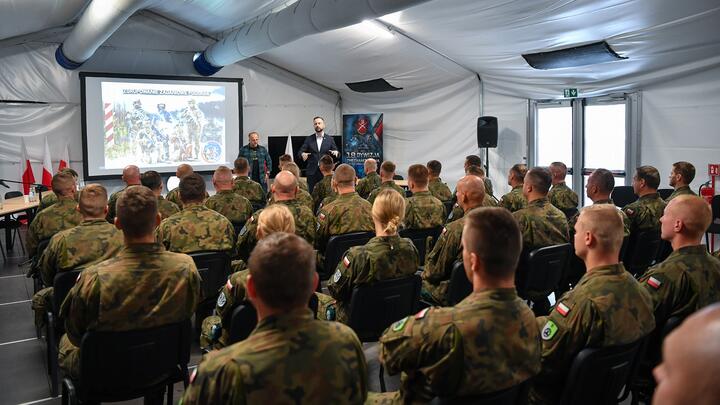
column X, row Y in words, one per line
column 275, row 102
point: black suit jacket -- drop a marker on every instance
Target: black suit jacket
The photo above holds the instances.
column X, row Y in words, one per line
column 310, row 146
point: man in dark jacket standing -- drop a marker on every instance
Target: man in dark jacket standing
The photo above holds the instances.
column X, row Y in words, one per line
column 259, row 159
column 315, row 146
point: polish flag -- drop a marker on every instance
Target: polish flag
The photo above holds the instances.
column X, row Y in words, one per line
column 47, row 167
column 26, row 172
column 289, row 147
column 65, row 158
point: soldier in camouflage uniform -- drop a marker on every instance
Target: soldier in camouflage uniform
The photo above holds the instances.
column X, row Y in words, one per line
column 50, row 198
column 486, row 343
column 423, row 211
column 436, row 186
column 196, row 228
column 560, row 195
column 278, row 363
column 93, row 241
column 608, row 307
column 174, row 194
column 645, row 213
column 682, row 174
column 386, row 256
column 323, row 188
column 62, row 215
column 600, row 185
column 165, row 286
column 448, row 249
column 489, row 201
column 131, row 177
column 541, row 223
column 371, row 181
column 387, row 173
column 246, row 187
column 282, row 161
column 474, row 160
column 515, row 200
column 284, row 189
column 236, row 208
column 152, row 180
column 348, row 213
column 301, row 195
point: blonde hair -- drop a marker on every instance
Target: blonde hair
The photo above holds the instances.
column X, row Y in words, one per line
column 389, row 209
column 605, row 222
column 275, row 218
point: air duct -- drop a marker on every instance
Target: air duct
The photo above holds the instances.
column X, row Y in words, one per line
column 100, row 20
column 300, row 19
column 20, row 17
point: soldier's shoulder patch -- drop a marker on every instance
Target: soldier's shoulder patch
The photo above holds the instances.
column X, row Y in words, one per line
column 193, row 375
column 562, row 309
column 629, row 211
column 321, row 216
column 243, row 231
column 336, row 276
column 229, row 285
column 78, row 277
column 400, row 325
column 346, row 262
column 443, row 231
column 252, row 218
column 549, row 330
column 221, row 300
column 422, row 313
column 654, row 282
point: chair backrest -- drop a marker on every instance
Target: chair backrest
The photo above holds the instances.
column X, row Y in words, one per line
column 13, row 194
column 598, row 374
column 419, row 238
column 244, row 319
column 41, row 246
column 117, row 366
column 623, row 195
column 62, row 284
column 642, row 251
column 373, row 307
column 214, row 269
column 459, row 287
column 543, row 269
column 515, row 395
column 337, row 246
column 665, row 192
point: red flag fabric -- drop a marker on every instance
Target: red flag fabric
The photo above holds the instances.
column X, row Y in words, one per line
column 65, row 158
column 26, row 172
column 47, row 167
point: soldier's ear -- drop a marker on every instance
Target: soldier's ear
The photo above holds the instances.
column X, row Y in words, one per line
column 116, row 221
column 106, row 209
column 251, row 291
column 158, row 219
column 316, row 280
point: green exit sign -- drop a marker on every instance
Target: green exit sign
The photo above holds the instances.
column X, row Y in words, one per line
column 569, row 93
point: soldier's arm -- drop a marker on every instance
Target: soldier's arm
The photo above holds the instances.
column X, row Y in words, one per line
column 31, row 241
column 666, row 294
column 212, row 383
column 48, row 261
column 441, row 259
column 81, row 306
column 342, row 281
column 195, row 280
column 161, row 236
column 246, row 239
column 322, row 230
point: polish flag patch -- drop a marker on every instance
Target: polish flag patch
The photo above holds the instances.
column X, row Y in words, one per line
column 562, row 309
column 421, row 314
column 193, row 375
column 346, row 262
column 654, row 283
column 228, row 285
column 322, row 216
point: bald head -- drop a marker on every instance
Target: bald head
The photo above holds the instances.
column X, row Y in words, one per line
column 691, row 362
column 470, row 192
column 131, row 175
column 685, row 219
column 599, row 228
column 344, row 178
column 285, row 186
column 600, row 184
column 370, row 165
column 222, row 179
column 183, row 170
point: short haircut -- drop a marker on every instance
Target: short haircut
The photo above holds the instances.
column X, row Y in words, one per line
column 540, row 178
column 293, row 168
column 285, row 158
column 694, row 212
column 370, row 165
column 222, row 175
column 326, row 162
column 434, row 167
column 319, row 117
column 136, row 211
column 388, row 167
column 605, row 222
column 650, row 174
column 493, row 234
column 604, row 180
column 276, row 218
column 419, row 175
column 686, row 170
column 557, row 168
column 192, row 188
column 241, row 165
column 93, row 200
column 253, row 133
column 282, row 266
column 151, row 179
column 344, row 175
column 63, row 183
column 389, row 209
column 473, row 160
column 519, row 171
column 69, row 170
column 475, row 171
column 183, row 170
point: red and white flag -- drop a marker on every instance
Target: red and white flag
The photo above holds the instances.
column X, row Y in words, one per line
column 109, row 126
column 26, row 173
column 65, row 158
column 47, row 166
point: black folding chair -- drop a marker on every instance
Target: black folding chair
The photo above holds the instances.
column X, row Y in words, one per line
column 714, row 228
column 623, row 195
column 337, row 246
column 448, row 207
column 244, row 319
column 420, row 239
column 34, row 271
column 118, row 366
column 597, row 375
column 539, row 274
column 54, row 328
column 665, row 193
column 642, row 251
column 459, row 287
column 515, row 395
column 214, row 269
column 12, row 224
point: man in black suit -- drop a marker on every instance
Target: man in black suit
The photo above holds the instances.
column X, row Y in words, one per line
column 315, row 146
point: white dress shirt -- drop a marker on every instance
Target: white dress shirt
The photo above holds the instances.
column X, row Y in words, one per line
column 319, row 139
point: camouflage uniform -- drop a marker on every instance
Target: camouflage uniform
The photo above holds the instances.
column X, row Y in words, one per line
column 645, row 213
column 514, row 200
column 439, row 262
column 562, row 197
column 278, row 364
column 304, row 227
column 90, row 242
column 457, row 211
column 60, row 216
column 573, row 220
column 606, row 308
column 302, row 183
column 165, row 288
column 194, row 229
column 367, row 184
column 302, row 196
column 174, row 197
column 684, row 190
column 542, row 225
column 236, row 208
column 486, row 343
column 488, row 186
column 112, row 202
column 382, row 258
column 166, row 208
column 424, row 211
column 249, row 189
column 50, row 198
column 384, row 185
column 348, row 213
column 322, row 189
column 440, row 190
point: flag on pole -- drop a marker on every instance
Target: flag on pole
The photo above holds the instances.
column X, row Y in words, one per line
column 26, row 172
column 109, row 126
column 65, row 158
column 47, row 167
column 289, row 148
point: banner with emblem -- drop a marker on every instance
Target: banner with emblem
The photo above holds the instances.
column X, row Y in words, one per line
column 362, row 139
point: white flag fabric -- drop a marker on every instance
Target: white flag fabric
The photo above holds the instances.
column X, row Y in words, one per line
column 289, row 148
column 47, row 166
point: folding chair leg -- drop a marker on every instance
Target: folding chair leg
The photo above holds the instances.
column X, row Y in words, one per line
column 382, row 379
column 22, row 245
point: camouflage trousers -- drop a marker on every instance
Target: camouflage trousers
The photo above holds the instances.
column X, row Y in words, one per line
column 382, row 398
column 41, row 303
column 69, row 358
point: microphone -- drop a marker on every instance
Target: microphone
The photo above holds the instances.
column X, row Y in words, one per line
column 2, row 183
